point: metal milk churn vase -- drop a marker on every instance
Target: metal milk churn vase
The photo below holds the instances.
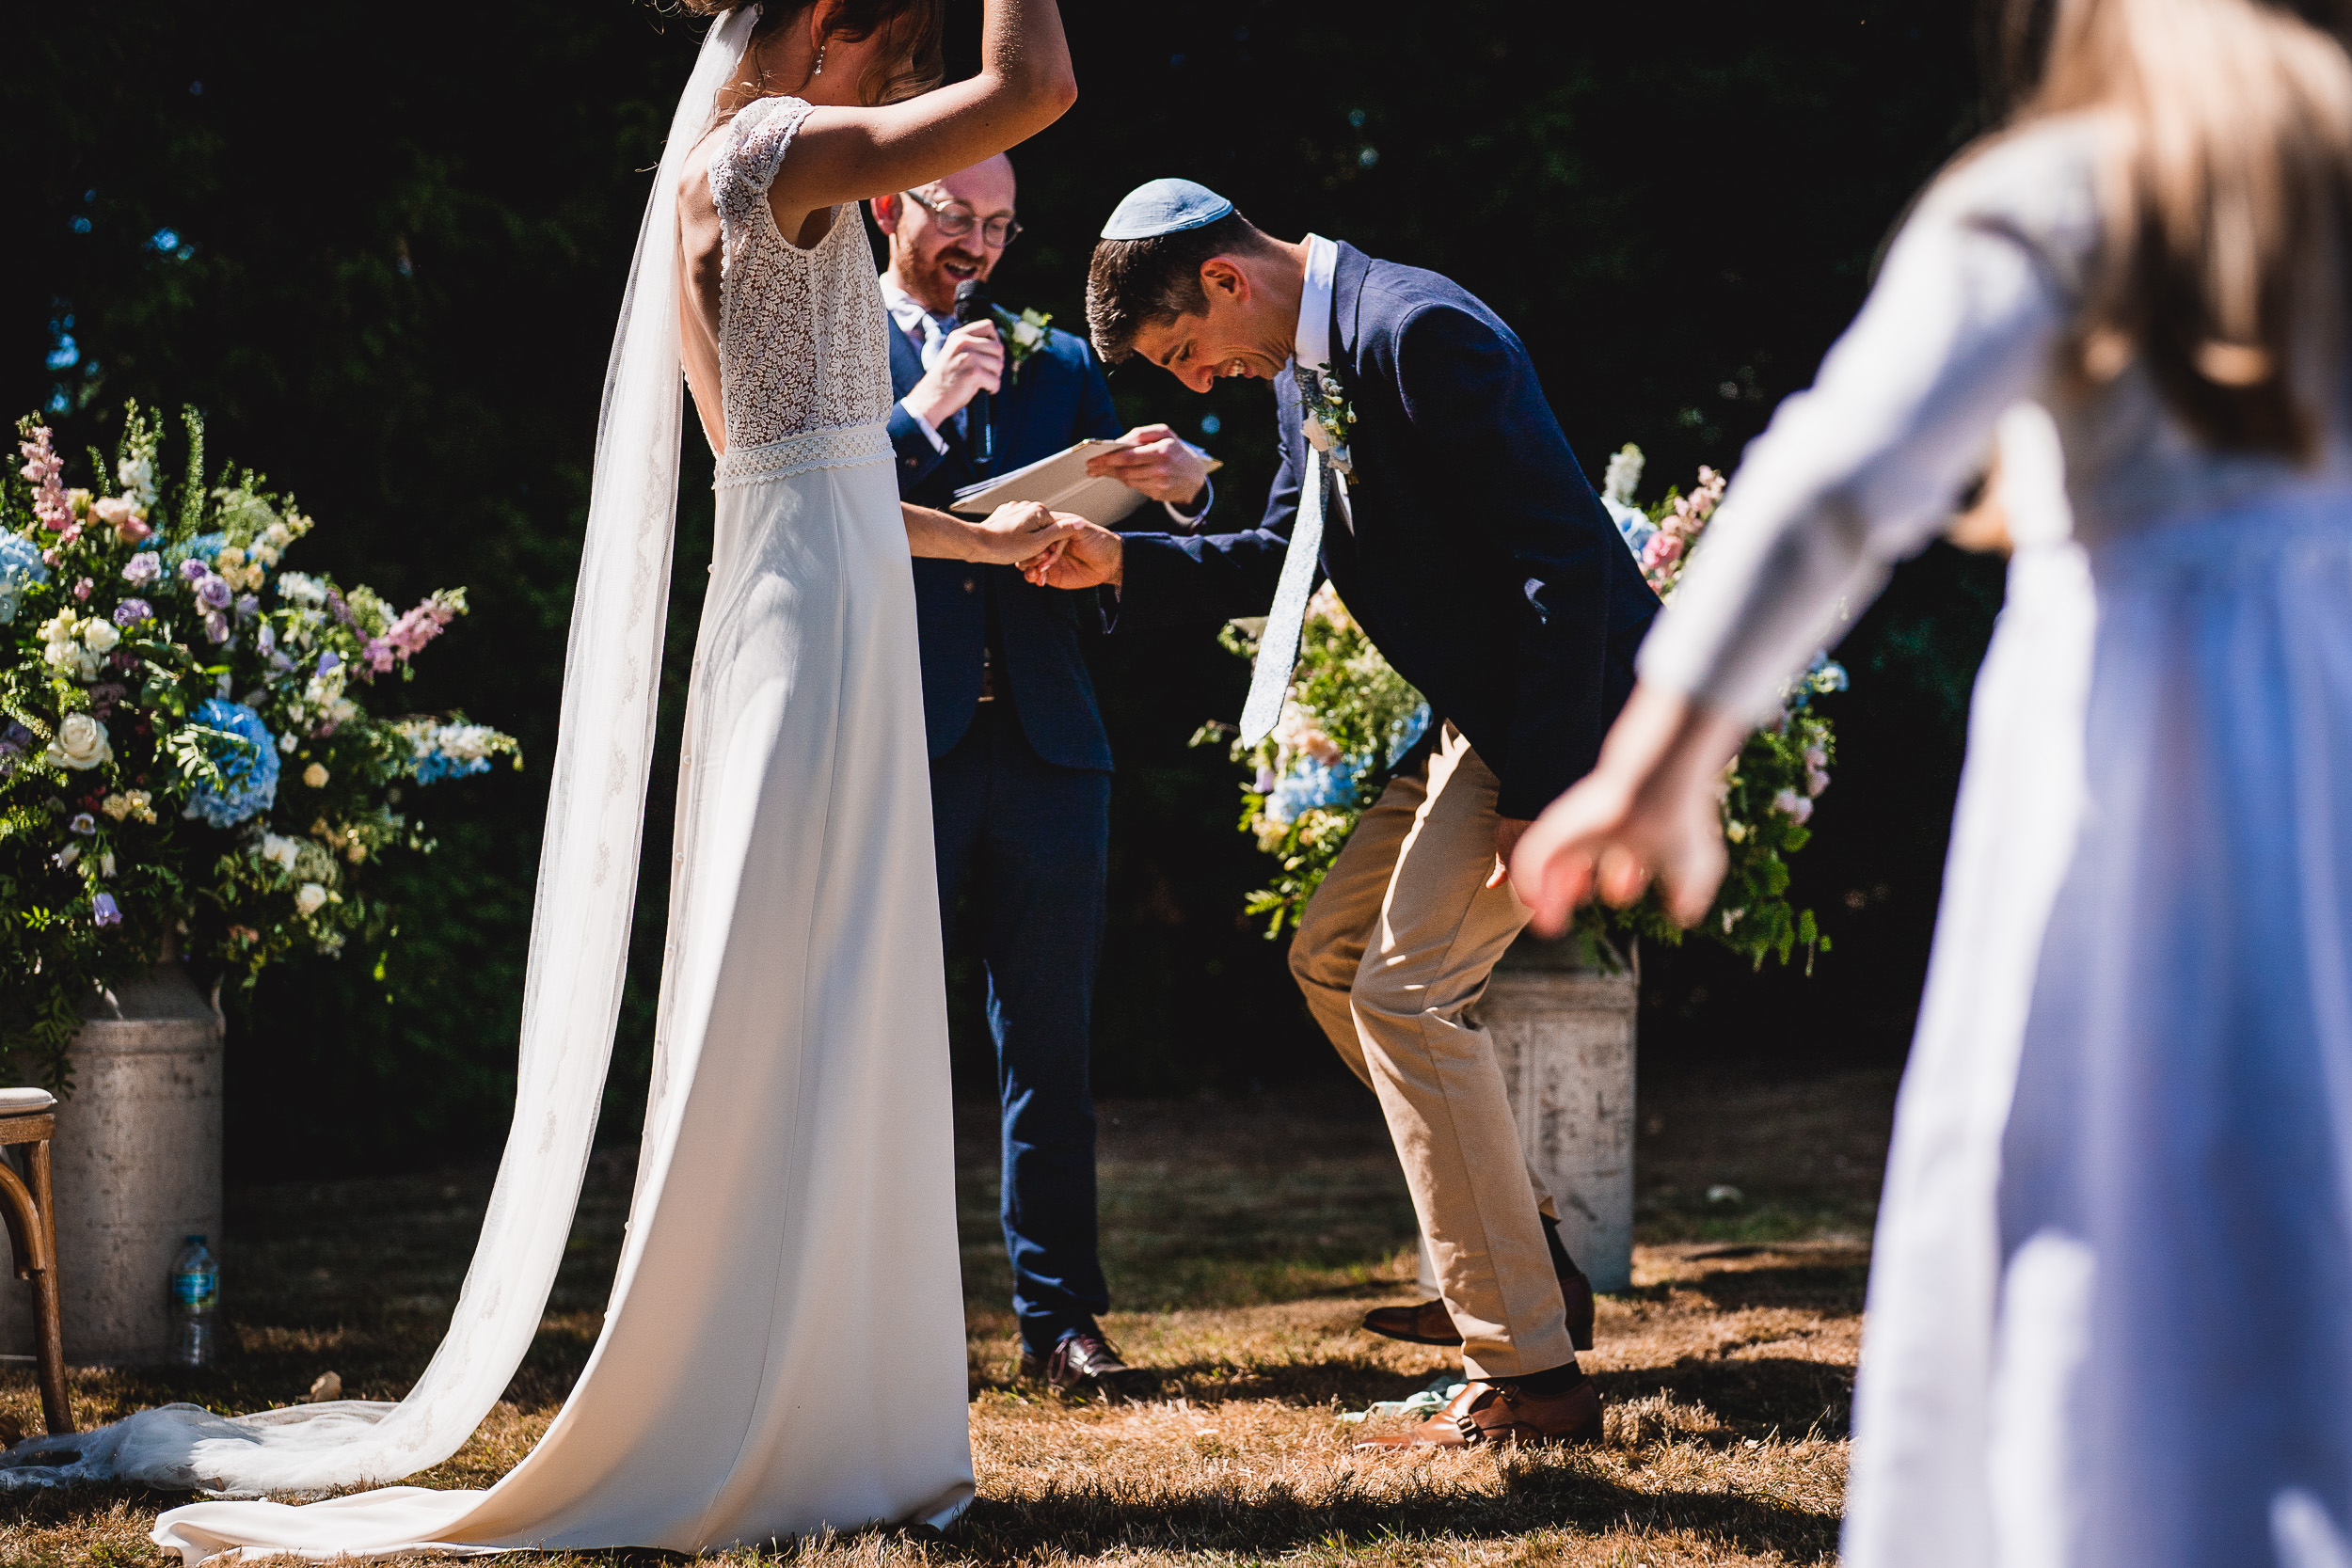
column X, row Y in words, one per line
column 136, row 1167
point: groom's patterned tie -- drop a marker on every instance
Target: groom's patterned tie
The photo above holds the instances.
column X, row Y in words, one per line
column 1277, row 645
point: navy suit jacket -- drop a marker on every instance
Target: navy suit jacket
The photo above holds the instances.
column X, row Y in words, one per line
column 1479, row 560
column 1060, row 397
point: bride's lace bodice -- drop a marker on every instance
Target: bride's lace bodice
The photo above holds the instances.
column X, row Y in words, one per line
column 801, row 344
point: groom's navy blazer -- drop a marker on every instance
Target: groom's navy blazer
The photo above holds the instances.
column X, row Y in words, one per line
column 1060, row 397
column 1479, row 561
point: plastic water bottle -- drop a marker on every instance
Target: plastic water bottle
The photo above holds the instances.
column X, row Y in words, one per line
column 195, row 1298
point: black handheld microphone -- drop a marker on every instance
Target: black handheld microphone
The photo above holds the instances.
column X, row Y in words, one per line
column 972, row 306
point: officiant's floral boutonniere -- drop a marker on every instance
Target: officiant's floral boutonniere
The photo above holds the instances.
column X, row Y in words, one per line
column 1330, row 418
column 1024, row 334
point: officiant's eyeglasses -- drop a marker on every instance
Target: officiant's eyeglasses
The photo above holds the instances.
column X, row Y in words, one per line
column 956, row 221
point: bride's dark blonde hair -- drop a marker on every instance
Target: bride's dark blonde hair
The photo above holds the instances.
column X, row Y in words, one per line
column 910, row 60
column 2225, row 263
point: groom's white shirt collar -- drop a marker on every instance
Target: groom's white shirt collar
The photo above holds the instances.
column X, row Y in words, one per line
column 1314, row 342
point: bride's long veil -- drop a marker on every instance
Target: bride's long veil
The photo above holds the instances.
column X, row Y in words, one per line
column 579, row 935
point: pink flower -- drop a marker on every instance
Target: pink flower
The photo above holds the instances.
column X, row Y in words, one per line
column 81, row 589
column 122, row 515
column 43, row 466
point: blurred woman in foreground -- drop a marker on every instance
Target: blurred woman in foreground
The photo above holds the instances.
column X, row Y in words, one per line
column 2109, row 1312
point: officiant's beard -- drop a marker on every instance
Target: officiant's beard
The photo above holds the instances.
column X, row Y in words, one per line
column 935, row 276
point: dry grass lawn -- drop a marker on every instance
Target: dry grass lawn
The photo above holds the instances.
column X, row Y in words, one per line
column 1244, row 1238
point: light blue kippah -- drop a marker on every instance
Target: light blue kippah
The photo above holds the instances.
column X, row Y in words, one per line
column 1165, row 207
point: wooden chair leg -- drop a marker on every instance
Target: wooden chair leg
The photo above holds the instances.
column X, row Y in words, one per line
column 49, row 1325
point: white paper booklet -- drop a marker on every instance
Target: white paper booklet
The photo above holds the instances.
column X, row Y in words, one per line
column 1058, row 482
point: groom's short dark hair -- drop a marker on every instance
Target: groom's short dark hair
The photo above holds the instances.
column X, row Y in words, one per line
column 1132, row 284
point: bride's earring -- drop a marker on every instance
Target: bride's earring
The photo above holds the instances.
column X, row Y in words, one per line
column 820, row 63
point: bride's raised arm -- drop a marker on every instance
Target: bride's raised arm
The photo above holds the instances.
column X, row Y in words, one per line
column 850, row 153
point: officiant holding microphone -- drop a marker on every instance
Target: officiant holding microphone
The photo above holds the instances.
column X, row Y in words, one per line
column 1020, row 763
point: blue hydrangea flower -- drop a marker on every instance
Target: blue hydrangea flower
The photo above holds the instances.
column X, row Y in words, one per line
column 20, row 568
column 1408, row 735
column 1309, row 785
column 202, row 547
column 1634, row 525
column 250, row 769
column 450, row 751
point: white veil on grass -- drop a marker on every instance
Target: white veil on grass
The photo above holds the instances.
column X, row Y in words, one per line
column 580, row 933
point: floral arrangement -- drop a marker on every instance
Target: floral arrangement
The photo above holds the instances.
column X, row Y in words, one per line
column 1350, row 719
column 1024, row 334
column 186, row 756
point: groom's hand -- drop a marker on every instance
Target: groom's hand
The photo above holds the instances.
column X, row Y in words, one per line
column 1089, row 558
column 1507, row 832
column 1156, row 461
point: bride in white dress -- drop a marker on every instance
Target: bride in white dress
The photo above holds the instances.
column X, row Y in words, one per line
column 2110, row 1308
column 784, row 1349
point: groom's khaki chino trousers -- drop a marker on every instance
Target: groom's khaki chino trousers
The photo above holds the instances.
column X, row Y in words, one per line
column 1396, row 944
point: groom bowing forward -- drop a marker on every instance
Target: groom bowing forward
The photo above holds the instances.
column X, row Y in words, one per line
column 1425, row 473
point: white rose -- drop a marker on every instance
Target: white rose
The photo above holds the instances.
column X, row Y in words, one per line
column 99, row 636
column 81, row 743
column 1028, row 334
column 280, row 850
column 309, row 898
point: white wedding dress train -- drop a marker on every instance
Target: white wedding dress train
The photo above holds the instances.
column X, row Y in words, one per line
column 783, row 1349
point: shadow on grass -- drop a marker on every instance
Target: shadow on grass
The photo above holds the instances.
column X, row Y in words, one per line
column 1759, row 1400
column 1539, row 1492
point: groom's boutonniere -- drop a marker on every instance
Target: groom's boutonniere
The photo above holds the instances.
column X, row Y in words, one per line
column 1024, row 334
column 1329, row 416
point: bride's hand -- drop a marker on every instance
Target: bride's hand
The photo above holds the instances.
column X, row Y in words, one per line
column 1019, row 532
column 1648, row 809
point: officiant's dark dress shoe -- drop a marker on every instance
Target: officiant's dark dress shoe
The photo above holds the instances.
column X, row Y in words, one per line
column 1428, row 1322
column 1498, row 1413
column 1084, row 1364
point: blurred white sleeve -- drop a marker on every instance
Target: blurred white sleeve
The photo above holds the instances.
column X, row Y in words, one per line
column 1865, row 467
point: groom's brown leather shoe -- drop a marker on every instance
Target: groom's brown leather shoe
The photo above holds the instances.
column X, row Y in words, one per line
column 1084, row 1364
column 1428, row 1323
column 1497, row 1412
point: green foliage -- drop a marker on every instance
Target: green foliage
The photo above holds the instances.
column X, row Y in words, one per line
column 139, row 803
column 1350, row 719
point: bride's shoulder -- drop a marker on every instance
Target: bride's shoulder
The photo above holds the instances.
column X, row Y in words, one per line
column 2037, row 183
column 747, row 152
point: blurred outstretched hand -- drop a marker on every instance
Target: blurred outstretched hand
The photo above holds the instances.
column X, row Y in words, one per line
column 1649, row 811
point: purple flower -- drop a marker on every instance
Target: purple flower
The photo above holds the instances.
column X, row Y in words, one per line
column 212, row 592
column 328, row 661
column 106, row 910
column 130, row 612
column 143, row 568
column 217, row 624
column 82, row 823
column 194, row 571
column 248, row 606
